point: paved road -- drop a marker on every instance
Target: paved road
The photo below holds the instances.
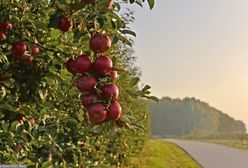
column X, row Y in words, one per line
column 214, row 155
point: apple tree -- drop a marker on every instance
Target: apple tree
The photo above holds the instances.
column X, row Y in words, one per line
column 69, row 96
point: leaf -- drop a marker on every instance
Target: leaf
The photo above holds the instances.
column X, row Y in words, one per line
column 35, row 132
column 151, row 3
column 7, row 107
column 139, row 3
column 45, row 164
column 101, row 22
column 20, row 129
column 131, row 1
column 128, row 32
column 146, row 88
column 134, row 81
column 3, row 58
column 154, row 98
column 13, row 125
column 102, row 2
column 124, row 40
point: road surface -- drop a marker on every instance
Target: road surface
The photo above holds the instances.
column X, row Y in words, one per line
column 214, row 155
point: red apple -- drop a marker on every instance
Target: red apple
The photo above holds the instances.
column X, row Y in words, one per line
column 114, row 112
column 83, row 63
column 64, row 24
column 19, row 49
column 100, row 43
column 35, row 50
column 110, row 90
column 70, row 66
column 32, row 121
column 88, row 100
column 98, row 149
column 113, row 74
column 86, row 83
column 97, row 113
column 3, row 36
column 27, row 60
column 19, row 146
column 6, row 25
column 21, row 121
column 103, row 64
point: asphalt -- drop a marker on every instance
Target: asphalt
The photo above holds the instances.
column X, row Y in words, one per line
column 213, row 155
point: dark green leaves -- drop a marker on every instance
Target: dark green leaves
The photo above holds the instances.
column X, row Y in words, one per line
column 128, row 32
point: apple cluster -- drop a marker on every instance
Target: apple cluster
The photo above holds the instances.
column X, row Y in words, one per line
column 4, row 26
column 100, row 100
column 19, row 51
column 19, row 48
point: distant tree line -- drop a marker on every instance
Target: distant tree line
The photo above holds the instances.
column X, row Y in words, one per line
column 191, row 117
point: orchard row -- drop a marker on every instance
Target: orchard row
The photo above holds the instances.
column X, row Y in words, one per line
column 99, row 100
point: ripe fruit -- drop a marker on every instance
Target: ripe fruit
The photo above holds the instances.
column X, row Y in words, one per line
column 21, row 121
column 70, row 66
column 114, row 112
column 3, row 36
column 113, row 74
column 97, row 113
column 103, row 64
column 110, row 90
column 83, row 63
column 88, row 100
column 27, row 60
column 19, row 146
column 86, row 83
column 32, row 121
column 6, row 25
column 100, row 43
column 98, row 149
column 35, row 50
column 64, row 24
column 19, row 49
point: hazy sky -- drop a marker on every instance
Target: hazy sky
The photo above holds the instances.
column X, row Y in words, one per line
column 196, row 48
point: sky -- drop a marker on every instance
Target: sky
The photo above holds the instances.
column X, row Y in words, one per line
column 196, row 48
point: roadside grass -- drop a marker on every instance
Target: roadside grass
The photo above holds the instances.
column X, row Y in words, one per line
column 240, row 144
column 162, row 154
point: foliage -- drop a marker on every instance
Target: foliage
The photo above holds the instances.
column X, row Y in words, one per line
column 44, row 91
column 191, row 117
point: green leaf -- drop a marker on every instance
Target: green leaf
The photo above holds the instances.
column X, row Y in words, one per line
column 35, row 132
column 7, row 107
column 3, row 58
column 20, row 129
column 151, row 3
column 154, row 98
column 128, row 32
column 146, row 88
column 45, row 164
column 134, row 81
column 102, row 2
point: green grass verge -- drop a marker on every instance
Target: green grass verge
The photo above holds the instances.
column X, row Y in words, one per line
column 162, row 154
column 240, row 144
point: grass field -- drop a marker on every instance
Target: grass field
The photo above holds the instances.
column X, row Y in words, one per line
column 162, row 154
column 241, row 144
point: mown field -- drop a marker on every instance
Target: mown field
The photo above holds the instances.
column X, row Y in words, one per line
column 162, row 154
